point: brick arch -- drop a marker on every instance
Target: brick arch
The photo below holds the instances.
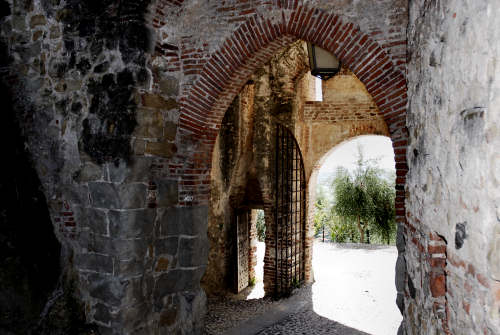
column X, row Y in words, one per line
column 257, row 40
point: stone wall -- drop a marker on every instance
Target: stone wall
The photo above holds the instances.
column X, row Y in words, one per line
column 453, row 286
column 81, row 94
column 120, row 104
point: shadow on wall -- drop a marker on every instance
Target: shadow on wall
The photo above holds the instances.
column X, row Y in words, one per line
column 29, row 251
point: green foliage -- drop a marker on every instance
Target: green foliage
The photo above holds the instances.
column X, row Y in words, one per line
column 363, row 199
column 342, row 231
column 383, row 222
column 252, row 281
column 295, row 283
column 322, row 216
column 261, row 226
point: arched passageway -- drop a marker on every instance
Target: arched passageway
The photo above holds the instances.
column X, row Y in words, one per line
column 250, row 155
column 120, row 102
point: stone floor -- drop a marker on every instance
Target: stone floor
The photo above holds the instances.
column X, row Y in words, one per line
column 354, row 286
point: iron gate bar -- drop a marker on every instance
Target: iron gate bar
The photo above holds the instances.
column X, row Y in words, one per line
column 289, row 213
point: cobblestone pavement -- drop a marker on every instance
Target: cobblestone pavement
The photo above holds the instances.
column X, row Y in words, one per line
column 310, row 323
column 228, row 312
column 353, row 298
column 290, row 316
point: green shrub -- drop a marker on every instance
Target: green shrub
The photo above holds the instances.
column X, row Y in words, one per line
column 261, row 226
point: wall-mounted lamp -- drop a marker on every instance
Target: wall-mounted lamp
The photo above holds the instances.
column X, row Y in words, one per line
column 324, row 64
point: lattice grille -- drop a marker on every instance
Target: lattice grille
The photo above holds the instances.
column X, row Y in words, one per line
column 290, row 213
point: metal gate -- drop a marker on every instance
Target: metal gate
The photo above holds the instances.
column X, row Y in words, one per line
column 290, row 215
column 243, row 246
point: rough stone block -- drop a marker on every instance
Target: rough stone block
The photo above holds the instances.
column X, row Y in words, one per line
column 132, row 223
column 163, row 149
column 96, row 220
column 400, row 238
column 169, row 315
column 89, row 172
column 167, row 193
column 134, row 316
column 130, row 267
column 170, row 131
column 178, row 280
column 130, row 249
column 193, row 251
column 460, row 234
column 102, row 314
column 194, row 302
column 19, row 22
column 136, row 171
column 167, row 246
column 169, row 85
column 162, row 264
column 157, row 101
column 37, row 20
column 400, row 302
column 400, row 273
column 112, row 196
column 107, row 288
column 94, row 262
column 77, row 194
column 118, row 248
column 139, row 146
column 149, row 124
column 183, row 220
column 401, row 329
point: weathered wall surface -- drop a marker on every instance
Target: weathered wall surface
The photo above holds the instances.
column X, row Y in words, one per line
column 78, row 76
column 453, row 283
column 103, row 94
column 347, row 110
column 242, row 163
column 231, row 168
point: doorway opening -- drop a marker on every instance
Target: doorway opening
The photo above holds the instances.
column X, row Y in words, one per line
column 354, row 275
column 257, row 252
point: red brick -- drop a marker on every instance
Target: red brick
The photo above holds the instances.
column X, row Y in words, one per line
column 436, row 249
column 438, row 285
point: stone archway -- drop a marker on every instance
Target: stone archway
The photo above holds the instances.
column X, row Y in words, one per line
column 226, row 70
column 252, row 44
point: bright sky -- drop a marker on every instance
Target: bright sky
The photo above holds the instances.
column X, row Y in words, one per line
column 374, row 147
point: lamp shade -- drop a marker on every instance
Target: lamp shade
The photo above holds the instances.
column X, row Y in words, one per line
column 324, row 64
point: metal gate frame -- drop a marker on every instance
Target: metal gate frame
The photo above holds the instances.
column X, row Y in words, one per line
column 290, row 213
